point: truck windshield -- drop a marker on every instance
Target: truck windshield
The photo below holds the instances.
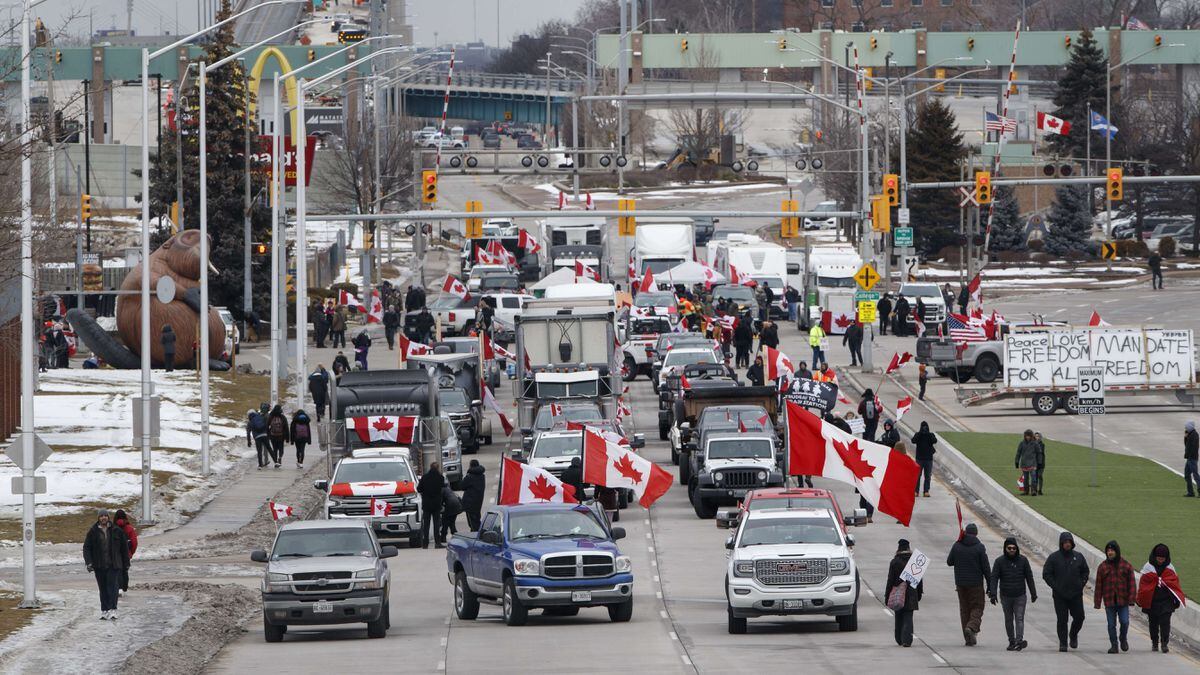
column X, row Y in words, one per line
column 659, row 266
column 452, row 398
column 362, row 472
column 558, row 446
column 678, row 358
column 568, row 389
column 738, row 447
column 554, row 524
column 836, row 282
column 653, row 299
column 930, row 291
column 324, row 542
column 742, row 294
column 568, row 414
column 772, row 531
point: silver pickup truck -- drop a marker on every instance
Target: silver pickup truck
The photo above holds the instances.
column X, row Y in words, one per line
column 981, row 360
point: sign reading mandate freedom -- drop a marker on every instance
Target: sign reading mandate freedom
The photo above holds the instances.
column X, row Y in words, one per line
column 1129, row 356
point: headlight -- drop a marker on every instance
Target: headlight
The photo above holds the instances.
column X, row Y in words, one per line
column 762, row 475
column 839, row 565
column 277, row 577
column 623, row 563
column 334, row 502
column 718, row 476
column 526, row 567
column 365, row 574
column 744, row 569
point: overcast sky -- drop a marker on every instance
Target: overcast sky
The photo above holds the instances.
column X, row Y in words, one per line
column 452, row 20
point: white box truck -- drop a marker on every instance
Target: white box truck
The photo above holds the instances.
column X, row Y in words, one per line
column 765, row 262
column 662, row 242
column 829, row 286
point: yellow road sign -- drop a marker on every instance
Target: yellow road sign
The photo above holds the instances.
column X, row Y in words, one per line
column 867, row 277
column 866, row 311
column 1108, row 250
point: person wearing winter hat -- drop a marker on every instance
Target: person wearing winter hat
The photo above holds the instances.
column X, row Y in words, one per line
column 121, row 519
column 1117, row 589
column 1191, row 458
column 912, row 596
column 106, row 553
column 1011, row 575
column 1066, row 573
column 972, row 575
column 1159, row 595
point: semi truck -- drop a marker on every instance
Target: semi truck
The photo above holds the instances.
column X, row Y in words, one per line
column 359, row 394
column 829, row 286
column 662, row 242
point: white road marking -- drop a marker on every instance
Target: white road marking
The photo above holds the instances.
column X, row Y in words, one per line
column 653, row 562
column 648, row 536
column 658, row 594
column 673, row 635
column 686, row 660
column 887, row 611
column 939, row 658
column 650, row 548
column 647, row 521
column 444, row 640
column 656, row 578
column 447, row 621
column 441, row 665
column 663, row 613
column 871, row 592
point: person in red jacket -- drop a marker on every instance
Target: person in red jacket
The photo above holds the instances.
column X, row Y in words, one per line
column 122, row 521
column 1116, row 587
column 1159, row 594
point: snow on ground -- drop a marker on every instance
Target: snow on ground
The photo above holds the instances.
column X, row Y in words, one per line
column 680, row 190
column 1019, row 283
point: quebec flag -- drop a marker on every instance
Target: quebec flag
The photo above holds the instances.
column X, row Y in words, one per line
column 1098, row 123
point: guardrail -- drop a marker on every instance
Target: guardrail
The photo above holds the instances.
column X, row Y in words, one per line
column 493, row 81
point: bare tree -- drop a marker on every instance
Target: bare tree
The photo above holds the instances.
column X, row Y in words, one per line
column 347, row 176
column 699, row 130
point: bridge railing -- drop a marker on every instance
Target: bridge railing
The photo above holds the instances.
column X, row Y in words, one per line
column 494, row 81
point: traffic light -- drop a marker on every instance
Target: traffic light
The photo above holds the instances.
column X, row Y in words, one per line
column 626, row 225
column 782, row 44
column 368, row 238
column 874, row 43
column 474, row 228
column 868, row 73
column 85, row 207
column 939, row 73
column 429, row 180
column 1157, row 40
column 1116, row 179
column 881, row 214
column 983, row 187
column 891, row 188
column 1067, row 42
column 260, row 249
column 970, row 43
column 58, row 56
column 312, row 55
column 790, row 225
column 683, row 45
column 175, row 213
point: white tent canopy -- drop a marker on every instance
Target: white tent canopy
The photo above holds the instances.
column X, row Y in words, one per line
column 688, row 273
column 560, row 277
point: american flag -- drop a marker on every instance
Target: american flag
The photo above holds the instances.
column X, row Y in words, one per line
column 994, row 122
column 961, row 329
column 1135, row 23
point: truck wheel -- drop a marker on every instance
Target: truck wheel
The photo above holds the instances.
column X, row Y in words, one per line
column 849, row 623
column 378, row 627
column 1045, row 404
column 1070, row 403
column 987, row 369
column 272, row 632
column 515, row 614
column 466, row 603
column 664, row 430
column 621, row 612
column 705, row 508
column 960, row 375
column 629, row 369
column 737, row 624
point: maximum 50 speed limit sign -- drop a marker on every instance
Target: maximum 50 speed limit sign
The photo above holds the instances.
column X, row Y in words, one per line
column 1091, row 390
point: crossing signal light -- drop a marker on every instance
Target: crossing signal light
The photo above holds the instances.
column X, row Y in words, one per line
column 683, row 45
column 790, row 225
column 939, row 73
column 891, row 188
column 868, row 73
column 85, row 207
column 970, row 43
column 312, row 55
column 983, row 187
column 474, row 229
column 429, row 179
column 881, row 214
column 626, row 225
column 1116, row 179
column 782, row 43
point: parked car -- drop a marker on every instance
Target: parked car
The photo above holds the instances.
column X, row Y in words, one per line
column 1181, row 231
column 528, row 142
column 491, row 140
column 338, row 21
column 233, row 336
column 818, row 223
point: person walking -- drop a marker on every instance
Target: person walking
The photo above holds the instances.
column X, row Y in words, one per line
column 474, row 486
column 277, row 432
column 256, row 430
column 922, row 380
column 743, row 339
column 1011, row 576
column 302, row 434
column 341, row 365
column 964, row 299
column 903, row 309
column 768, row 335
column 106, row 554
column 816, row 339
column 972, row 576
column 1026, row 461
column 948, row 295
column 391, row 323
column 902, row 611
column 121, row 519
column 573, row 476
column 1159, row 595
column 318, row 388
column 755, row 372
column 168, row 346
column 1191, row 453
column 884, row 309
column 320, row 324
column 1066, row 573
column 868, row 409
column 337, row 327
column 430, row 489
column 1041, row 460
column 853, row 339
column 362, row 346
column 923, row 451
column 425, row 325
column 1116, row 588
column 451, row 507
column 1156, row 277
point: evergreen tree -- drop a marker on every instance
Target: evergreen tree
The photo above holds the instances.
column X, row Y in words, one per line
column 226, row 122
column 935, row 147
column 1081, row 83
column 1008, row 231
column 1070, row 223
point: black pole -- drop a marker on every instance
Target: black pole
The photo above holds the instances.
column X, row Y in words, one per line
column 87, row 157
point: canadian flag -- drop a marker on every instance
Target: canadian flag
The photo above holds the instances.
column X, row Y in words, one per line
column 883, row 477
column 525, row 484
column 280, row 511
column 739, row 279
column 898, row 361
column 502, row 255
column 490, row 401
column 562, row 200
column 588, row 205
column 778, row 364
column 455, row 287
column 380, row 508
column 604, row 433
column 623, row 409
column 975, row 288
column 920, row 323
column 1053, row 125
column 710, row 277
column 373, row 488
column 483, row 257
column 1096, row 320
column 410, row 348
column 555, row 410
column 648, row 284
column 527, row 242
column 350, row 300
column 391, row 428
column 582, row 270
column 902, row 407
column 611, row 465
column 376, row 313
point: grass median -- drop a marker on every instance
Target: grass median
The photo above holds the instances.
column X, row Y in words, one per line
column 1136, row 501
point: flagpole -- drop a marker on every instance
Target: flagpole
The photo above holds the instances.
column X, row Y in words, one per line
column 1087, row 168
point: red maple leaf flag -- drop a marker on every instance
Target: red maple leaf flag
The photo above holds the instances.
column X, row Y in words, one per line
column 898, row 361
column 490, row 401
column 350, row 300
column 502, row 255
column 280, row 511
column 387, row 428
column 883, row 477
column 582, row 270
column 778, row 364
column 1053, row 125
column 615, row 466
column 920, row 323
column 455, row 287
column 527, row 242
column 1096, row 320
column 525, row 484
column 648, row 283
column 843, row 320
column 975, row 288
column 380, row 508
column 410, row 348
column 958, row 510
column 375, row 315
column 902, row 407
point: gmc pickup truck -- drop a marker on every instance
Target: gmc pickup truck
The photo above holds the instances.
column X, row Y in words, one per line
column 556, row 557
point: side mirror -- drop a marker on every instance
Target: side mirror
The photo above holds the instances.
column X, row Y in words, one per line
column 476, row 403
column 490, row 537
column 389, row 552
column 729, row 543
column 726, row 518
column 638, row 442
column 322, row 485
column 850, row 540
column 259, row 556
column 618, row 533
column 525, row 431
column 860, row 517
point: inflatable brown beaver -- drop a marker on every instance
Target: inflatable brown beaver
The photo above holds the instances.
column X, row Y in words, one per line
column 179, row 259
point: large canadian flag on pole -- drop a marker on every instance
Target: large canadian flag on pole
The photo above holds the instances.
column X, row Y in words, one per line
column 490, row 401
column 778, row 364
column 525, row 484
column 350, row 300
column 648, row 284
column 410, row 348
column 615, row 466
column 883, row 477
column 391, row 428
column 375, row 315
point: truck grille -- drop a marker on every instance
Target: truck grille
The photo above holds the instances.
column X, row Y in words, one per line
column 362, row 507
column 321, row 582
column 577, row 566
column 740, row 478
column 791, row 572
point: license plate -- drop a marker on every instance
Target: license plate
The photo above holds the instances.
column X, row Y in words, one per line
column 793, row 604
column 581, row 596
column 322, row 607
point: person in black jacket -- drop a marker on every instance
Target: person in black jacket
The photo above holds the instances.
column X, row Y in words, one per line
column 755, row 372
column 1011, row 575
column 391, row 323
column 106, row 554
column 969, row 559
column 743, row 338
column 278, row 434
column 1066, row 573
column 318, row 388
column 472, row 497
column 768, row 336
column 430, row 489
column 362, row 347
column 340, row 365
column 900, row 316
column 451, row 507
column 884, row 309
column 302, row 434
column 573, row 476
column 912, row 596
column 890, row 436
column 1191, row 453
column 923, row 442
column 853, row 339
column 168, row 346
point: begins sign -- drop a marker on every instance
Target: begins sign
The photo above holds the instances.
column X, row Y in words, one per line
column 263, row 158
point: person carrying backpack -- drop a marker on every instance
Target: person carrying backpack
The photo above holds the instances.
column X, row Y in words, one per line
column 256, row 429
column 362, row 345
column 277, row 432
column 868, row 409
column 301, row 432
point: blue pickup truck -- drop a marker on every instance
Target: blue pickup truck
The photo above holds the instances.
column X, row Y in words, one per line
column 556, row 557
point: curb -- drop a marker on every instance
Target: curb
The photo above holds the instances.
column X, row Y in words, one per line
column 1033, row 526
